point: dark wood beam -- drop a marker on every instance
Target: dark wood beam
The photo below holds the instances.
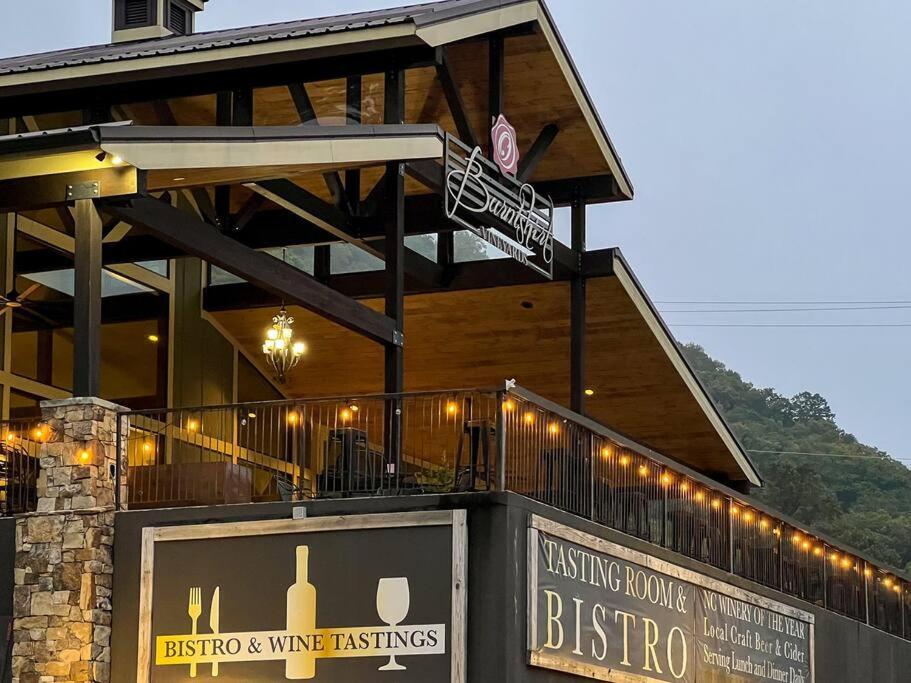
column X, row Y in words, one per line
column 354, row 115
column 593, row 189
column 393, row 213
column 535, row 153
column 496, row 69
column 306, row 112
column 500, row 272
column 56, row 190
column 302, row 102
column 454, row 98
column 196, row 238
column 314, row 210
column 87, row 301
column 577, row 380
column 250, row 209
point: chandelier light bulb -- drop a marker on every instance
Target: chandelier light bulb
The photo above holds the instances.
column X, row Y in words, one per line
column 282, row 351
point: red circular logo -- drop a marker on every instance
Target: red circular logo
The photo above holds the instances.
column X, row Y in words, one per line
column 506, row 151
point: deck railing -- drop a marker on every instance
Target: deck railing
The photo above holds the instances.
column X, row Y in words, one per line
column 508, row 440
column 21, row 442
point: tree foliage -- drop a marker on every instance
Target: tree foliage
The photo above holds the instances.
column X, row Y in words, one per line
column 854, row 492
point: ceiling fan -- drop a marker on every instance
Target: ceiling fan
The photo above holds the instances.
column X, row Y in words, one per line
column 14, row 300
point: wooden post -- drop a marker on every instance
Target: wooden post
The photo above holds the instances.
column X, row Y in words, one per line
column 87, row 301
column 577, row 311
column 496, row 68
column 353, row 115
column 394, row 219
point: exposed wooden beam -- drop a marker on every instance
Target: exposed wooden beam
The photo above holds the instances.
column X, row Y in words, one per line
column 54, row 190
column 302, row 103
column 199, row 239
column 500, row 272
column 87, row 301
column 243, row 218
column 454, row 98
column 496, row 68
column 535, row 153
column 315, row 211
column 577, row 315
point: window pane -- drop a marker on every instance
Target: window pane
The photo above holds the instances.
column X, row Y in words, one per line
column 425, row 245
column 346, row 258
column 470, row 247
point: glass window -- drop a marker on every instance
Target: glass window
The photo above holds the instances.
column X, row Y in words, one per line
column 425, row 245
column 469, row 247
column 347, row 258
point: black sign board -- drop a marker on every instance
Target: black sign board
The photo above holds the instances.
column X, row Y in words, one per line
column 609, row 613
column 499, row 209
column 365, row 598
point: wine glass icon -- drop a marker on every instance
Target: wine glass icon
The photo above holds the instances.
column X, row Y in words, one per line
column 393, row 598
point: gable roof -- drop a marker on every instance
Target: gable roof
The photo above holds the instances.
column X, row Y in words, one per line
column 423, row 14
column 425, row 25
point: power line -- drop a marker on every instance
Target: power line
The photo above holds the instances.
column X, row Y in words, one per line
column 780, row 303
column 787, row 310
column 830, row 455
column 789, row 324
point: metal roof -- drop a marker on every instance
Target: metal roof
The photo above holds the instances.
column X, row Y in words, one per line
column 420, row 14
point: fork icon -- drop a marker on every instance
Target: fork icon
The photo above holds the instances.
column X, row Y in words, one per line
column 194, row 609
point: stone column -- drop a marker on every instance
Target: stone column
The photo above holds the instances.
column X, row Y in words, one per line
column 64, row 567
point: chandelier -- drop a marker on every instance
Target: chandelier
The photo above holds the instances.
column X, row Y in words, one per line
column 281, row 353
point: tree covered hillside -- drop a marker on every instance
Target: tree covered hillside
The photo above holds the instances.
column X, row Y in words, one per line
column 864, row 500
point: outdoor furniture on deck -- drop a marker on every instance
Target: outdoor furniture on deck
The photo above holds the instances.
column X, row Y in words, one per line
column 478, row 434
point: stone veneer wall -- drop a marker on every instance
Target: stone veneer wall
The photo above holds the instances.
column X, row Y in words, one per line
column 64, row 568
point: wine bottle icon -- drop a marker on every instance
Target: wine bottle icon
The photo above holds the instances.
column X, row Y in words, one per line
column 393, row 599
column 301, row 617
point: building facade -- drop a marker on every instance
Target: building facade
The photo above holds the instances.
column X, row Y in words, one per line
column 298, row 382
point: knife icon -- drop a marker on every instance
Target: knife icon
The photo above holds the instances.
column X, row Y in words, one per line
column 213, row 622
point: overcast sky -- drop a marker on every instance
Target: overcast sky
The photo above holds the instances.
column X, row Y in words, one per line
column 770, row 149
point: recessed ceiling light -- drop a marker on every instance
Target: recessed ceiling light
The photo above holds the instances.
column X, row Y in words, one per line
column 589, row 392
column 177, row 180
column 153, row 338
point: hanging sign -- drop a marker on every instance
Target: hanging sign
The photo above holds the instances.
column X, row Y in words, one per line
column 506, row 213
column 273, row 601
column 610, row 613
column 505, row 146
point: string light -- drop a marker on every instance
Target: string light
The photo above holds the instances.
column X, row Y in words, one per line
column 147, row 447
column 192, row 425
column 606, row 452
column 643, row 471
column 806, row 546
column 868, row 572
column 10, row 437
column 553, row 428
column 796, row 538
column 452, row 408
column 624, row 460
column 292, row 418
column 816, row 551
column 846, row 563
column 700, row 496
column 667, row 479
column 748, row 516
column 734, row 510
column 509, row 405
column 345, row 414
column 716, row 504
column 685, row 487
column 529, row 418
